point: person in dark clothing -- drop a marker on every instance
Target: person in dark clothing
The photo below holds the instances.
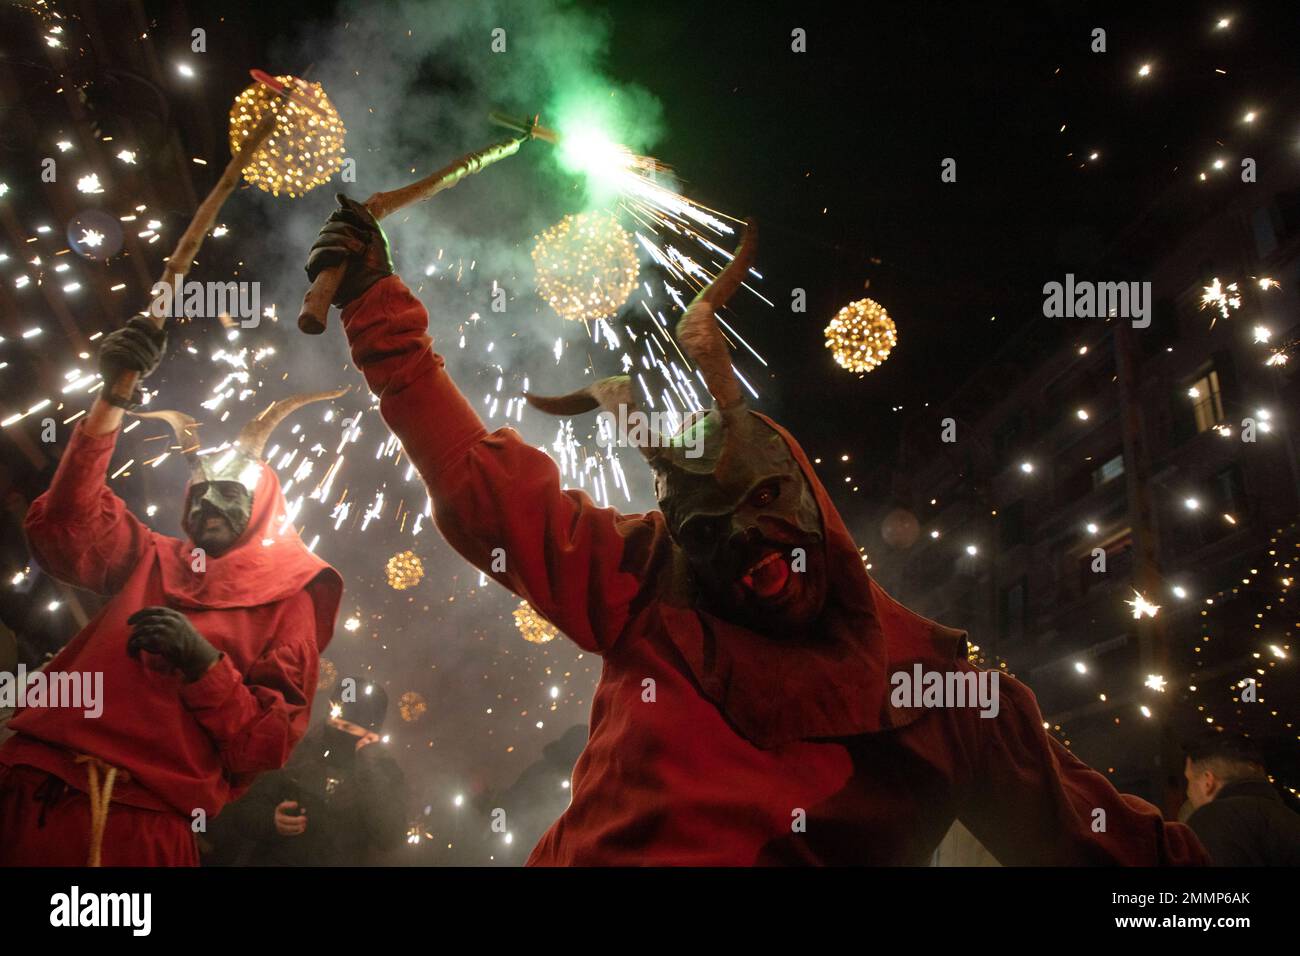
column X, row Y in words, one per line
column 538, row 796
column 1239, row 816
column 340, row 798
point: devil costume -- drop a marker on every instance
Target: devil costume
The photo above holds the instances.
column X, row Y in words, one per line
column 209, row 662
column 713, row 740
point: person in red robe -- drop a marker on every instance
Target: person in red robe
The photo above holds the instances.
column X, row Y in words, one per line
column 209, row 648
column 747, row 710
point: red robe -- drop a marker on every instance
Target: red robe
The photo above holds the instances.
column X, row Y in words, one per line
column 268, row 604
column 744, row 750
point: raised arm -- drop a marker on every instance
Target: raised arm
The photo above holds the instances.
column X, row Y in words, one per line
column 497, row 500
column 79, row 531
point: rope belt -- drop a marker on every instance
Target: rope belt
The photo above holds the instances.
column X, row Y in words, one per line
column 99, row 801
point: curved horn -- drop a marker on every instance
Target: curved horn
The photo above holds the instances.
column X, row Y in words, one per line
column 698, row 330
column 252, row 437
column 610, row 394
column 185, row 427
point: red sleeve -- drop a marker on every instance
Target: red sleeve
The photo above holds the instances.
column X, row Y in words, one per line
column 79, row 531
column 1033, row 803
column 497, row 500
column 257, row 719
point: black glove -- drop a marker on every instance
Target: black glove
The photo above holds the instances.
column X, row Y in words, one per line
column 352, row 235
column 137, row 346
column 169, row 634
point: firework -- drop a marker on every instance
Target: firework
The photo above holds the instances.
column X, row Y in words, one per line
column 1223, row 299
column 861, row 335
column 534, row 628
column 306, row 147
column 1141, row 606
column 404, row 570
column 586, row 266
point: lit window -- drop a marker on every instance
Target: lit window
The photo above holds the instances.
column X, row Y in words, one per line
column 1207, row 401
column 1105, row 472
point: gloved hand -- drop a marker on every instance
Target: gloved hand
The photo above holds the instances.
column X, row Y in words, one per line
column 352, row 235
column 137, row 346
column 169, row 634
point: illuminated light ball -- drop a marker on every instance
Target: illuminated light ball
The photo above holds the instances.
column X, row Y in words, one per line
column 404, row 570
column 534, row 628
column 329, row 675
column 861, row 336
column 586, row 266
column 900, row 529
column 306, row 147
column 411, row 706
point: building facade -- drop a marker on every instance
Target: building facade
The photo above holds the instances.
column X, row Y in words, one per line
column 1093, row 461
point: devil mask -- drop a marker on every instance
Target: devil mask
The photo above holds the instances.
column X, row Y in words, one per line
column 733, row 496
column 219, row 498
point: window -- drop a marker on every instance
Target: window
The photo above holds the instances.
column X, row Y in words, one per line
column 1264, row 225
column 1288, row 211
column 1013, row 525
column 1111, row 468
column 1014, row 603
column 1008, row 436
column 1230, row 490
column 1207, row 401
column 1119, row 562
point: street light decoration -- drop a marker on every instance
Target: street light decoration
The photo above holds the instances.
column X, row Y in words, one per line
column 861, row 336
column 586, row 266
column 306, row 146
column 534, row 628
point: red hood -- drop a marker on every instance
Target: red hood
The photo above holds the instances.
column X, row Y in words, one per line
column 834, row 685
column 268, row 563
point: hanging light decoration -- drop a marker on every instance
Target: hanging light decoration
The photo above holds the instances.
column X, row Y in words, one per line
column 306, row 147
column 329, row 674
column 404, row 570
column 411, row 706
column 534, row 628
column 861, row 336
column 586, row 266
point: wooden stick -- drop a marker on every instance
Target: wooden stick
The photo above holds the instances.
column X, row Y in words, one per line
column 316, row 303
column 182, row 257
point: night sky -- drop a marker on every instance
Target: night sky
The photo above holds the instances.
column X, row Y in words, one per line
column 836, row 152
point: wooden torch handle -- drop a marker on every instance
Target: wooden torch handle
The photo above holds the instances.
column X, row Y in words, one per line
column 187, row 247
column 314, row 315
